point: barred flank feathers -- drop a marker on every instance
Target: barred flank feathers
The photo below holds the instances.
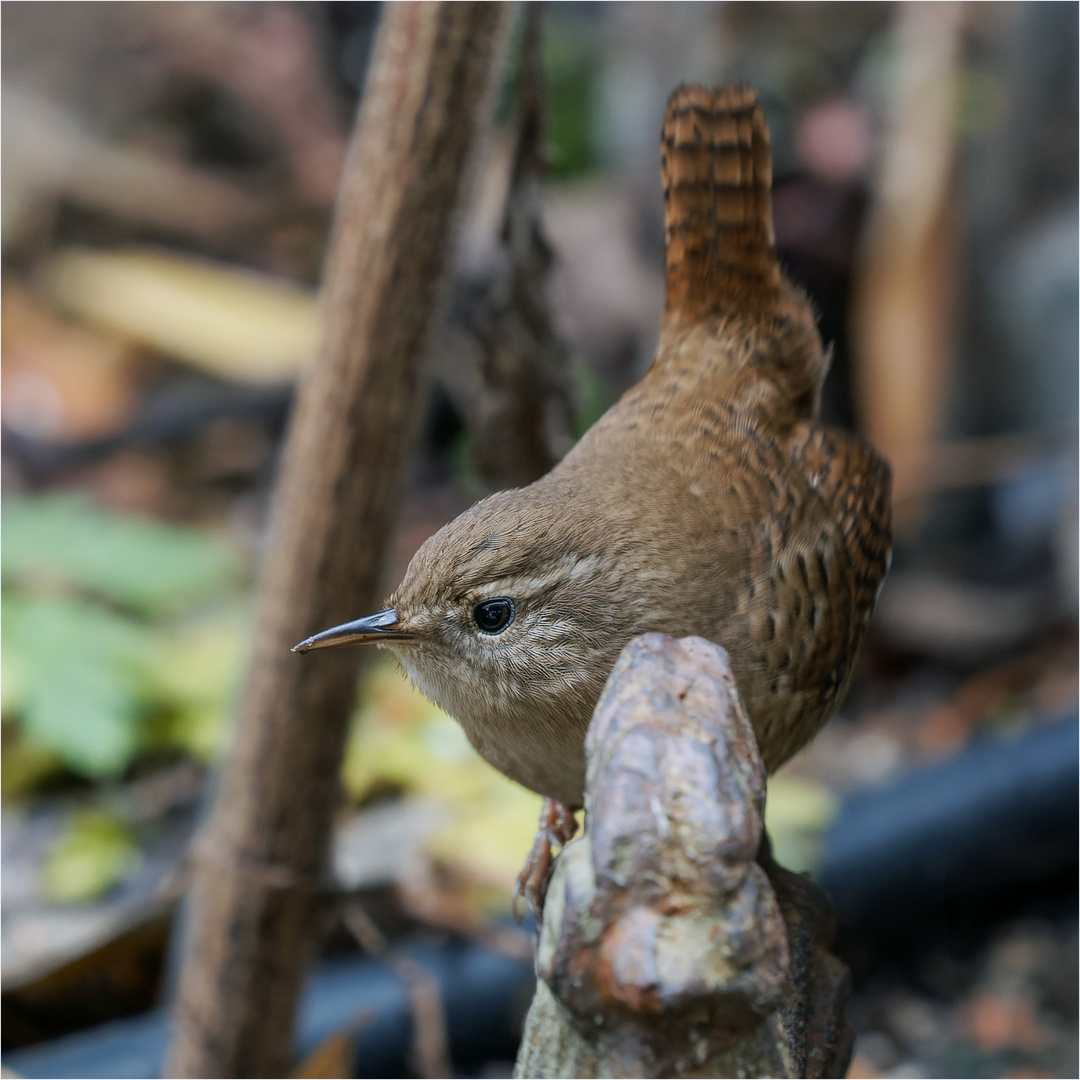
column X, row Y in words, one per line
column 855, row 483
column 717, row 175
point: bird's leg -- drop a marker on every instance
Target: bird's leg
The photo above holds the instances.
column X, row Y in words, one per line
column 557, row 826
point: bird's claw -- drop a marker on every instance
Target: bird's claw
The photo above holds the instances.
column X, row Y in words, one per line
column 557, row 827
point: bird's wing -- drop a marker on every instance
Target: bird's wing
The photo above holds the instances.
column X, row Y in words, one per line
column 814, row 563
column 855, row 483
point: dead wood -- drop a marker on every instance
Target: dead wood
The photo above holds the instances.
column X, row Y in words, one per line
column 503, row 364
column 672, row 945
column 254, row 900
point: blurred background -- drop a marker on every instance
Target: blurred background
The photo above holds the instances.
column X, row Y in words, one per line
column 169, row 172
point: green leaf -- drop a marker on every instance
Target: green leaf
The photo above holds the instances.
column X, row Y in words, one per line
column 571, row 73
column 593, row 397
column 192, row 676
column 93, row 853
column 199, row 660
column 12, row 677
column 81, row 675
column 145, row 565
column 198, row 730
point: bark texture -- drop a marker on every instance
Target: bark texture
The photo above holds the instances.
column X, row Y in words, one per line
column 253, row 903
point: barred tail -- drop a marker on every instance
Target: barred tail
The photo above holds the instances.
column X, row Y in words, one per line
column 717, row 175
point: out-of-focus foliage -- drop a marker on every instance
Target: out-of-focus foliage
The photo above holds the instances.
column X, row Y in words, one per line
column 400, row 742
column 26, row 764
column 64, row 543
column 797, row 812
column 570, row 87
column 76, row 667
column 192, row 671
column 227, row 320
column 570, row 69
column 594, row 398
column 103, row 656
column 93, row 853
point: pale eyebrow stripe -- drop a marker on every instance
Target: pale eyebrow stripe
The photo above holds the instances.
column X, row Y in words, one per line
column 569, row 568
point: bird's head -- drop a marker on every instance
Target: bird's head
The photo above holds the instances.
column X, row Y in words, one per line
column 511, row 608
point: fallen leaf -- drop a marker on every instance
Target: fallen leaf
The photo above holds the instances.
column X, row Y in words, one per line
column 334, row 1056
column 235, row 323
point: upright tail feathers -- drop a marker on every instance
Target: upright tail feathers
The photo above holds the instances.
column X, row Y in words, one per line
column 717, row 175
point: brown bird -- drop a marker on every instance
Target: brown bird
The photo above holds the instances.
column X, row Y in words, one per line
column 708, row 500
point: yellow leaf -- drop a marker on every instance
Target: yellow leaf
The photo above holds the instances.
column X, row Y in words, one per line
column 797, row 811
column 93, row 853
column 332, row 1057
column 232, row 322
column 399, row 739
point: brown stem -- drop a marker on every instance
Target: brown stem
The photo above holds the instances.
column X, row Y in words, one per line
column 253, row 904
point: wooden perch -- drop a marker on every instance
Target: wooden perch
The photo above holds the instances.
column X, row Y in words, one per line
column 672, row 944
column 254, row 900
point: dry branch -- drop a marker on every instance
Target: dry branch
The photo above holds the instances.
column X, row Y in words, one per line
column 672, row 945
column 505, row 367
column 253, row 905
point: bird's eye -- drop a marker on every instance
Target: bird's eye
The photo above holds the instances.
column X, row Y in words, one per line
column 493, row 616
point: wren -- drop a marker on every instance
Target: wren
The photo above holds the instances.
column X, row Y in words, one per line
column 709, row 500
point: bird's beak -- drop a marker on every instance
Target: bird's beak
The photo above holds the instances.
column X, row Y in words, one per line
column 381, row 627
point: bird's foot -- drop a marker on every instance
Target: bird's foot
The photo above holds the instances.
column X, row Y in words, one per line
column 557, row 827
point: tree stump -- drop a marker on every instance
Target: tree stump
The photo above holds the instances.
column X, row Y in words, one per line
column 672, row 944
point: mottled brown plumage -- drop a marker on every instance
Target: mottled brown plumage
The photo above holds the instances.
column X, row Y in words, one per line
column 709, row 500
